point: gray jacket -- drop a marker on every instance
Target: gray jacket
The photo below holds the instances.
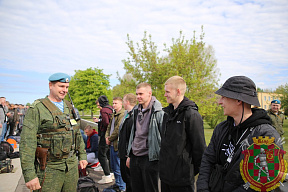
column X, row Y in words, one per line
column 154, row 134
column 3, row 111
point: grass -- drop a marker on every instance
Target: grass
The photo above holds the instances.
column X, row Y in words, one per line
column 208, row 134
column 285, row 127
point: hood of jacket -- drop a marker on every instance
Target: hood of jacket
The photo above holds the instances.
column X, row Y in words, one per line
column 184, row 104
column 156, row 106
column 258, row 117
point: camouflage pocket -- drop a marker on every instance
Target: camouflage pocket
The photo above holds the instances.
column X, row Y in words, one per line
column 78, row 141
column 61, row 145
column 44, row 142
column 61, row 121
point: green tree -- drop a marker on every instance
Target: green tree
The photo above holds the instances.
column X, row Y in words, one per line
column 87, row 85
column 190, row 59
column 127, row 85
column 259, row 89
column 283, row 89
column 214, row 115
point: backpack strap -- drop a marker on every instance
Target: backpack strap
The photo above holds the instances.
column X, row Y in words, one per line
column 55, row 112
column 51, row 107
column 69, row 105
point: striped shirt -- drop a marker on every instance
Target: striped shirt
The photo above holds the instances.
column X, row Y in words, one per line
column 60, row 105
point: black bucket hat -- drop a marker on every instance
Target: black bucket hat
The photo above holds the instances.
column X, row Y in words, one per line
column 241, row 88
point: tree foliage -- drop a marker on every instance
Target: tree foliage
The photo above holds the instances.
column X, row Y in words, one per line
column 190, row 59
column 87, row 85
column 259, row 89
column 283, row 89
column 214, row 115
column 127, row 85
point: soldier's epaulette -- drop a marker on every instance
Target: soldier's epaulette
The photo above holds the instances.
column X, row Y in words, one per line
column 35, row 103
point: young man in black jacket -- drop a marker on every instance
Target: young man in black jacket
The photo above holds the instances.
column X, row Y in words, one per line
column 129, row 101
column 231, row 137
column 183, row 140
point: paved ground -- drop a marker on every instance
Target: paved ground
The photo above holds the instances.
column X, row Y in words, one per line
column 22, row 188
column 14, row 181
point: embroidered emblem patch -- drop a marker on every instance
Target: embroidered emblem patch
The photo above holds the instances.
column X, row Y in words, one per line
column 263, row 167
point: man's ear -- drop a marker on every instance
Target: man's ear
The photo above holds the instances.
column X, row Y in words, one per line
column 178, row 92
column 50, row 84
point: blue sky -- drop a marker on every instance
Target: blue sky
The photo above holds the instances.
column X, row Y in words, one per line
column 38, row 38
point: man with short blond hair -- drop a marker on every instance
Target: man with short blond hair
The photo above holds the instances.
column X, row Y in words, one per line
column 112, row 140
column 129, row 101
column 183, row 140
column 144, row 143
column 177, row 82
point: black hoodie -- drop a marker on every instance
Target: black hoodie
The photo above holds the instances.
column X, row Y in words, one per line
column 234, row 133
column 182, row 144
column 223, row 134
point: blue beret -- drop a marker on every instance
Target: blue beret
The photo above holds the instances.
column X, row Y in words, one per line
column 276, row 101
column 61, row 77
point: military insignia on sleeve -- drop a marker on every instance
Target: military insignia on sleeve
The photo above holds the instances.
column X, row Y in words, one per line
column 263, row 167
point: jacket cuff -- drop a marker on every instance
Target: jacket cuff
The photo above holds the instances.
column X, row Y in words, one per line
column 29, row 175
column 83, row 157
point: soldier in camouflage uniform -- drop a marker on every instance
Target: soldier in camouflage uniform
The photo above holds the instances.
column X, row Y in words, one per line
column 276, row 116
column 49, row 123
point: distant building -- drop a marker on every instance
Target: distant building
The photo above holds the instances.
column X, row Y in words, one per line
column 266, row 98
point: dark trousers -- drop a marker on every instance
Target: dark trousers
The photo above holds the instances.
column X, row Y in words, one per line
column 102, row 155
column 168, row 188
column 125, row 173
column 144, row 174
column 11, row 128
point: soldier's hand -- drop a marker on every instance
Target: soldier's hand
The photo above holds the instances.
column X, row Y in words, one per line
column 34, row 184
column 83, row 164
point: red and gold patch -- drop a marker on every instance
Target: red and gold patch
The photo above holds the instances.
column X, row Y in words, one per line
column 263, row 167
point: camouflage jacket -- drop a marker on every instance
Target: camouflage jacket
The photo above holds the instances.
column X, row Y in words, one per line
column 113, row 137
column 277, row 121
column 39, row 122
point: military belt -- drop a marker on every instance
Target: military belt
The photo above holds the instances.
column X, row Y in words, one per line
column 50, row 130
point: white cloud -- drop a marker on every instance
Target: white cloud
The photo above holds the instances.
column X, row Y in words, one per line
column 249, row 37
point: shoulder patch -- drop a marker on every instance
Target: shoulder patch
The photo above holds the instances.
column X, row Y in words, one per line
column 263, row 167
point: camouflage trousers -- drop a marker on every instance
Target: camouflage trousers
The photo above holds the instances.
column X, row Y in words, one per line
column 57, row 180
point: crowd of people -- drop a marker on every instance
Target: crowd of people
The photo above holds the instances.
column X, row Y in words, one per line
column 145, row 147
column 11, row 118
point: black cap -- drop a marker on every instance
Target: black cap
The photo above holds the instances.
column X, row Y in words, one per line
column 241, row 88
column 103, row 101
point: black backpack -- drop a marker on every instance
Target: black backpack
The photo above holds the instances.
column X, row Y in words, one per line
column 6, row 150
column 86, row 184
column 6, row 166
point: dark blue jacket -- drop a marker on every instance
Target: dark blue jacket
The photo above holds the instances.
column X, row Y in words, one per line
column 93, row 145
